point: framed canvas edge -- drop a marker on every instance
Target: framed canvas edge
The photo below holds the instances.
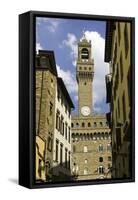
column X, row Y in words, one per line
column 31, row 16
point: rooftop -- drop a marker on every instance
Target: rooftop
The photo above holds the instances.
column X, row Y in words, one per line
column 49, row 62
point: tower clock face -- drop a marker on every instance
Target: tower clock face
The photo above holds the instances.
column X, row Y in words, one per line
column 85, row 110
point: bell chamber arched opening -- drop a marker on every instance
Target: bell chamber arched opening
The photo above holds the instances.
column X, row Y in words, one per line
column 84, row 53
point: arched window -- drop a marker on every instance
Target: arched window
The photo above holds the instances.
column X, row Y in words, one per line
column 89, row 124
column 95, row 124
column 85, row 149
column 100, row 148
column 87, row 136
column 76, row 137
column 83, row 124
column 109, row 158
column 72, row 125
column 101, row 159
column 81, row 137
column 73, row 137
column 91, row 136
column 101, row 124
column 77, row 124
column 107, row 124
column 85, row 161
column 102, row 135
column 106, row 135
column 84, row 53
column 109, row 148
column 109, row 136
column 98, row 135
column 101, row 169
column 94, row 136
column 84, row 136
column 85, row 171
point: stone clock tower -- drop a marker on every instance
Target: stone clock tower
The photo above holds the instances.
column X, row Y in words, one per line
column 91, row 135
column 84, row 74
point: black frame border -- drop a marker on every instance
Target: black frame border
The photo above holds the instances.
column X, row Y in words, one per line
column 27, row 37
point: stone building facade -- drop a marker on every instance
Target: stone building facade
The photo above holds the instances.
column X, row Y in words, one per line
column 118, row 82
column 91, row 136
column 53, row 121
column 91, row 147
column 62, row 133
column 46, row 76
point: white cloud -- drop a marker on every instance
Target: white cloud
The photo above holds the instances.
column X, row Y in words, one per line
column 38, row 47
column 100, row 68
column 69, row 79
column 51, row 24
column 71, row 43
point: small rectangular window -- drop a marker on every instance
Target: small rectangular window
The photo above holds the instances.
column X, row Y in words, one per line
column 86, row 161
column 49, row 144
column 109, row 158
column 66, row 127
column 100, row 148
column 61, row 154
column 69, row 135
column 66, row 164
column 69, row 160
column 85, row 149
column 101, row 170
column 109, row 148
column 62, row 125
column 57, row 118
column 50, row 109
column 57, row 144
column 101, row 159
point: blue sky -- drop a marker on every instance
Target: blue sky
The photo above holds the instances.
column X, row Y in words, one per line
column 61, row 36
